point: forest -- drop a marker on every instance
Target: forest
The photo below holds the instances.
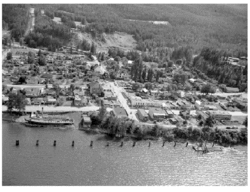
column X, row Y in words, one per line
column 15, row 19
column 197, row 26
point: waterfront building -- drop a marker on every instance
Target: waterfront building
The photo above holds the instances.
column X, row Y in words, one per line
column 86, row 121
column 157, row 114
column 119, row 112
column 142, row 115
column 220, row 115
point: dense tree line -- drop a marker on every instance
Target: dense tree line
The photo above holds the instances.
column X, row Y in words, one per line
column 15, row 18
column 48, row 34
column 121, row 127
column 214, row 64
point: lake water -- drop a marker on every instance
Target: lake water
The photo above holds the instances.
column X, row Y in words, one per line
column 113, row 165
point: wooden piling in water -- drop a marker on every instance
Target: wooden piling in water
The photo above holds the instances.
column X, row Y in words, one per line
column 149, row 144
column 121, row 144
column 91, row 144
column 107, row 144
column 163, row 143
column 134, row 144
column 17, row 142
column 37, row 142
column 54, row 143
column 73, row 143
column 186, row 144
column 194, row 148
column 174, row 143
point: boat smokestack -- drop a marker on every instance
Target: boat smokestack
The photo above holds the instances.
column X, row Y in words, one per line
column 37, row 142
column 17, row 142
column 73, row 143
column 54, row 143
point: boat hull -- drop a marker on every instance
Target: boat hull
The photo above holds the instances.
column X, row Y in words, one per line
column 34, row 122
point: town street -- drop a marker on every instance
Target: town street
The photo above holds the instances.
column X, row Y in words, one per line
column 123, row 101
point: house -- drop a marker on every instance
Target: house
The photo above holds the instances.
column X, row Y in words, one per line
column 86, row 121
column 109, row 103
column 142, row 114
column 77, row 100
column 169, row 114
column 220, row 115
column 37, row 101
column 241, row 104
column 95, row 88
column 203, row 116
column 4, row 99
column 28, row 101
column 32, row 92
column 50, row 100
column 109, row 95
column 156, row 114
column 210, row 107
column 232, row 90
column 119, row 112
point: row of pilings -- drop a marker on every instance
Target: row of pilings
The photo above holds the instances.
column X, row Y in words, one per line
column 107, row 145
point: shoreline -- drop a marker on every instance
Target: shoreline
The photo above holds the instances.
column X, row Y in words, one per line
column 178, row 135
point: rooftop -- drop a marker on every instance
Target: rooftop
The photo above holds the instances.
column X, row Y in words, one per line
column 120, row 111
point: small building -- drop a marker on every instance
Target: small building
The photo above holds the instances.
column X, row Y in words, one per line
column 210, row 107
column 77, row 100
column 142, row 114
column 5, row 99
column 95, row 88
column 37, row 101
column 50, row 100
column 32, row 92
column 86, row 121
column 232, row 90
column 169, row 114
column 28, row 101
column 157, row 114
column 221, row 115
column 119, row 112
column 203, row 116
column 109, row 103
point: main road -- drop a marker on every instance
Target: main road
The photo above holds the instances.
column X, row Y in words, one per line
column 118, row 92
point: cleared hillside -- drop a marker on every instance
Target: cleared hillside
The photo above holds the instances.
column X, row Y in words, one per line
column 121, row 40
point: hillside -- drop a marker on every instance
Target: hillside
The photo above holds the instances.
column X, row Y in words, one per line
column 220, row 26
column 121, row 40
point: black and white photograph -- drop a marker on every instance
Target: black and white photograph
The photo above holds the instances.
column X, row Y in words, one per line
column 124, row 94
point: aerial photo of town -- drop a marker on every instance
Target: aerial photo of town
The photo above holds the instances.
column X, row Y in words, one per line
column 124, row 95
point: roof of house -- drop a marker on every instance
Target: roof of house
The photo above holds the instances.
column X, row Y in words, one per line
column 219, row 113
column 157, row 111
column 120, row 111
column 94, row 85
column 86, row 119
column 232, row 89
column 143, row 112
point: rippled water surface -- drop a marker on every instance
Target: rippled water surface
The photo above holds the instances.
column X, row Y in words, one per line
column 113, row 165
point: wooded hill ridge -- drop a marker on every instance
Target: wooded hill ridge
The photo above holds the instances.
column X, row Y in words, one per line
column 217, row 26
